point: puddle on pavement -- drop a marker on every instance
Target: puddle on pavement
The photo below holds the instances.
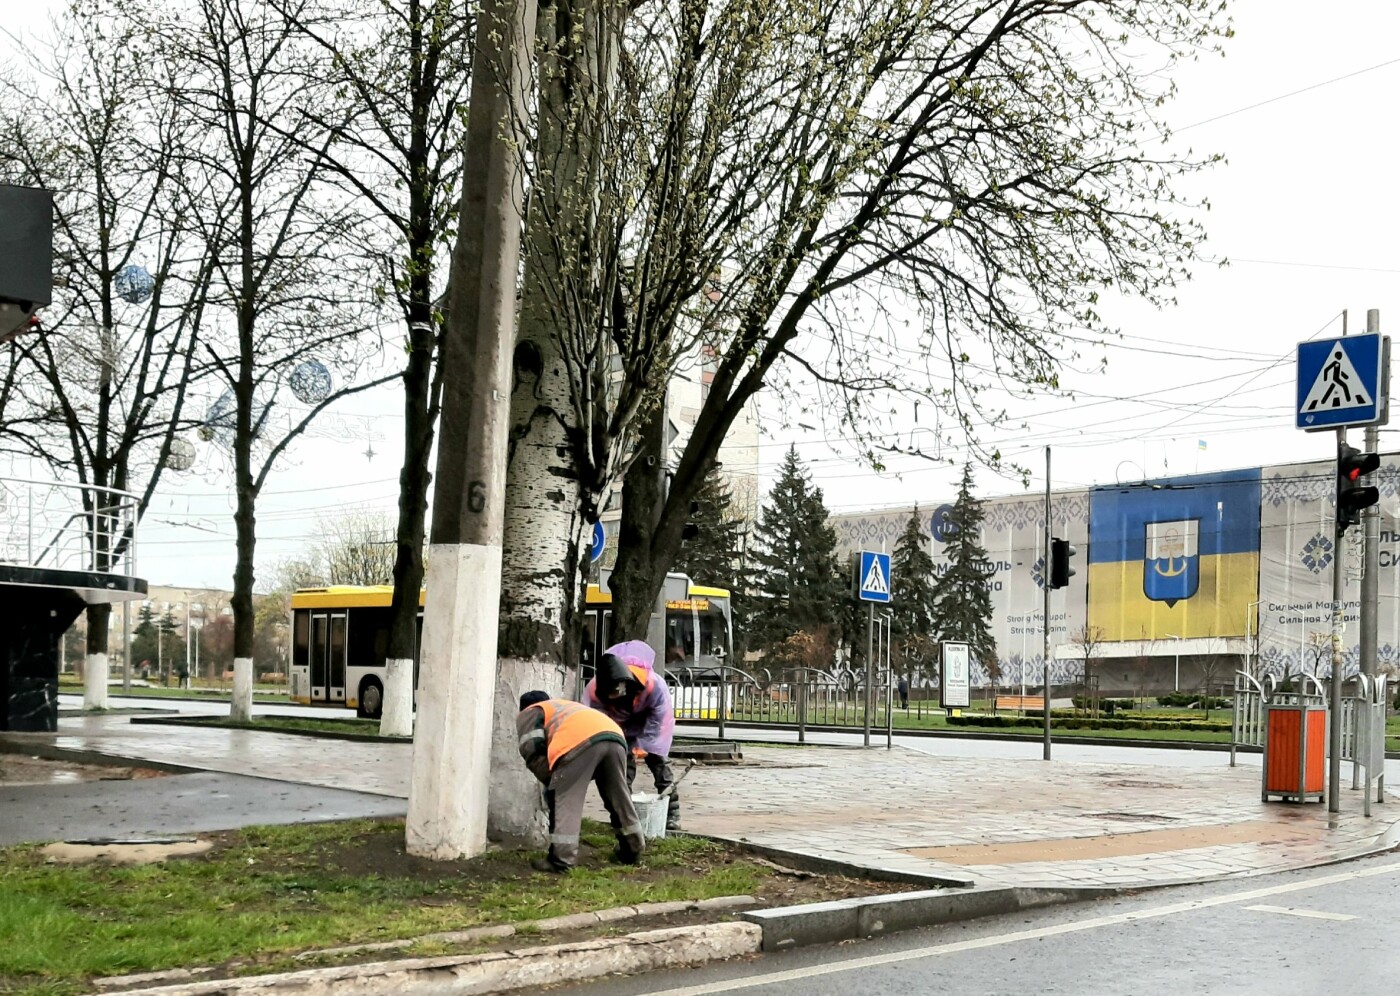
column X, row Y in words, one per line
column 21, row 769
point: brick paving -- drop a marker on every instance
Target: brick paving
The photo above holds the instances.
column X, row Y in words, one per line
column 994, row 820
column 1025, row 822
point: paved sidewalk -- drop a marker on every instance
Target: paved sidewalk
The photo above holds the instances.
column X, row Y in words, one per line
column 996, row 820
column 1025, row 822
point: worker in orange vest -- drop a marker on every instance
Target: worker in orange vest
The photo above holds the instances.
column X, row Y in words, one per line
column 567, row 745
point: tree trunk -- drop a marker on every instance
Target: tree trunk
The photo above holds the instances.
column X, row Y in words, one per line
column 541, row 563
column 241, row 704
column 420, row 412
column 638, row 573
column 95, row 664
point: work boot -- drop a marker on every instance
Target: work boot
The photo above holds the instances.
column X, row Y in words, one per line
column 549, row 866
column 626, row 856
column 673, row 823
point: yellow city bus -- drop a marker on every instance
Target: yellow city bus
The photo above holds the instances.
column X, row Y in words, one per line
column 699, row 631
column 339, row 638
column 340, row 635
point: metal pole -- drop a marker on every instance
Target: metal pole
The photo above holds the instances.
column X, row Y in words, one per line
column 1045, row 621
column 723, row 687
column 1370, row 521
column 1176, row 681
column 889, row 685
column 1334, row 707
column 869, row 671
column 126, row 648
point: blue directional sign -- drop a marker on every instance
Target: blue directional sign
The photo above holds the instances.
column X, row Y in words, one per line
column 599, row 543
column 1341, row 382
column 873, row 577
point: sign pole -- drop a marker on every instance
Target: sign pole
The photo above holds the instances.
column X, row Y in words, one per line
column 1334, row 691
column 869, row 670
column 1334, row 697
column 1045, row 620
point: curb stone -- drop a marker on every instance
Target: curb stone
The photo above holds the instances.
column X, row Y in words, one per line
column 471, row 935
column 470, row 975
column 870, row 916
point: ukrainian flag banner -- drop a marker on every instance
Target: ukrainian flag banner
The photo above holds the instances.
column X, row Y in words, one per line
column 1178, row 557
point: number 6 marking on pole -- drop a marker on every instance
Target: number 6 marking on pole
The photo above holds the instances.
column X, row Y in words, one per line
column 476, row 497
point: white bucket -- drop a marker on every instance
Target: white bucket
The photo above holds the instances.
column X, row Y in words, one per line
column 651, row 814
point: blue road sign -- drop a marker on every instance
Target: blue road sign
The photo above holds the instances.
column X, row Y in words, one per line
column 1341, row 382
column 873, row 579
column 599, row 543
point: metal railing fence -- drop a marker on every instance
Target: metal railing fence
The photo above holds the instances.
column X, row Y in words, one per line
column 62, row 526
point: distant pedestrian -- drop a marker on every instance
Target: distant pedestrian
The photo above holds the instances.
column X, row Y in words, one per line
column 184, row 677
column 904, row 693
column 567, row 745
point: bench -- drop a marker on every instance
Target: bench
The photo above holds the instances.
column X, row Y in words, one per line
column 1016, row 702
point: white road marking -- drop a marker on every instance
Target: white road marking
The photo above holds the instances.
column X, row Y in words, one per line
column 1290, row 911
column 1093, row 923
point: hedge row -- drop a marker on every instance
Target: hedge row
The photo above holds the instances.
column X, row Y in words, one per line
column 1179, row 700
column 1083, row 723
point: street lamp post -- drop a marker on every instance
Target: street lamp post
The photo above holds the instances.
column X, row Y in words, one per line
column 1176, row 683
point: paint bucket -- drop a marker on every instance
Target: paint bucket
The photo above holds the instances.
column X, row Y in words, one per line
column 651, row 814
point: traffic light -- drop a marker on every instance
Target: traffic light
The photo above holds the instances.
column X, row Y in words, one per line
column 1060, row 571
column 1352, row 496
column 692, row 525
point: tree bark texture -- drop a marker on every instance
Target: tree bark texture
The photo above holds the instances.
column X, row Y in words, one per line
column 546, row 498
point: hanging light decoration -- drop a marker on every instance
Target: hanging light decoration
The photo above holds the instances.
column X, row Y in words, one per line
column 181, row 455
column 133, row 284
column 219, row 421
column 311, row 382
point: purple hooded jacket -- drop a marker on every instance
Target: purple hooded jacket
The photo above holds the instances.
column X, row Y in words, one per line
column 648, row 721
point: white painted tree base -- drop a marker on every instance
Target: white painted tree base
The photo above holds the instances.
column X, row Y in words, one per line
column 396, row 720
column 517, row 815
column 95, row 675
column 452, row 745
column 240, row 708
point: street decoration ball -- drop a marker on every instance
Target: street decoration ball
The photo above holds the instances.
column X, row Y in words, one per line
column 311, row 382
column 181, row 455
column 133, row 284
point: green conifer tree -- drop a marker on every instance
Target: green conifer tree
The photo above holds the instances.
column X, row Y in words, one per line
column 914, row 629
column 797, row 583
column 963, row 595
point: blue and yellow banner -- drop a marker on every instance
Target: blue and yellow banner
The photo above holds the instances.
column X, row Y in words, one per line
column 1178, row 557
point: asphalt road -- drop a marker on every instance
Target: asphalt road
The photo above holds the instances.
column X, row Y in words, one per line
column 1329, row 930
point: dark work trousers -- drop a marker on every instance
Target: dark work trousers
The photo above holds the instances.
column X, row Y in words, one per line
column 602, row 763
column 660, row 768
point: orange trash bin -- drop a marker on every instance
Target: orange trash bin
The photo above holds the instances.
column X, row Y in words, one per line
column 1295, row 752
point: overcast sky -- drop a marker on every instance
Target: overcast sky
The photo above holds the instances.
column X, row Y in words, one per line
column 1305, row 209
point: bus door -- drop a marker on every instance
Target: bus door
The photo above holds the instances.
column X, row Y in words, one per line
column 328, row 646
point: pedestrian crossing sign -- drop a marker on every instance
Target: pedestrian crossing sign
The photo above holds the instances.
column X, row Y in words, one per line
column 1342, row 382
column 873, row 577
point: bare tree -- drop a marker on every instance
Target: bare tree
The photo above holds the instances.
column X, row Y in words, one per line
column 290, row 318
column 1089, row 640
column 105, row 386
column 404, row 69
column 355, row 547
column 782, row 189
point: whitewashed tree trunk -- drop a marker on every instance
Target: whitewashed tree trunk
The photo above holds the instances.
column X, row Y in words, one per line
column 241, row 707
column 544, row 522
column 539, row 572
column 396, row 720
column 95, row 676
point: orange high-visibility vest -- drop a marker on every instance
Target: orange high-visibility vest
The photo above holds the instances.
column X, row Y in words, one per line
column 570, row 724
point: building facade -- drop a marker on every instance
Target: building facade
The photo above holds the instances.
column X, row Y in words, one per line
column 1180, row 581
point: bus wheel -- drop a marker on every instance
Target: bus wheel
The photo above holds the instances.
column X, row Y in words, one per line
column 371, row 701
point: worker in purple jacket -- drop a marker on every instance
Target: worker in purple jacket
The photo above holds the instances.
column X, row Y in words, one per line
column 627, row 689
